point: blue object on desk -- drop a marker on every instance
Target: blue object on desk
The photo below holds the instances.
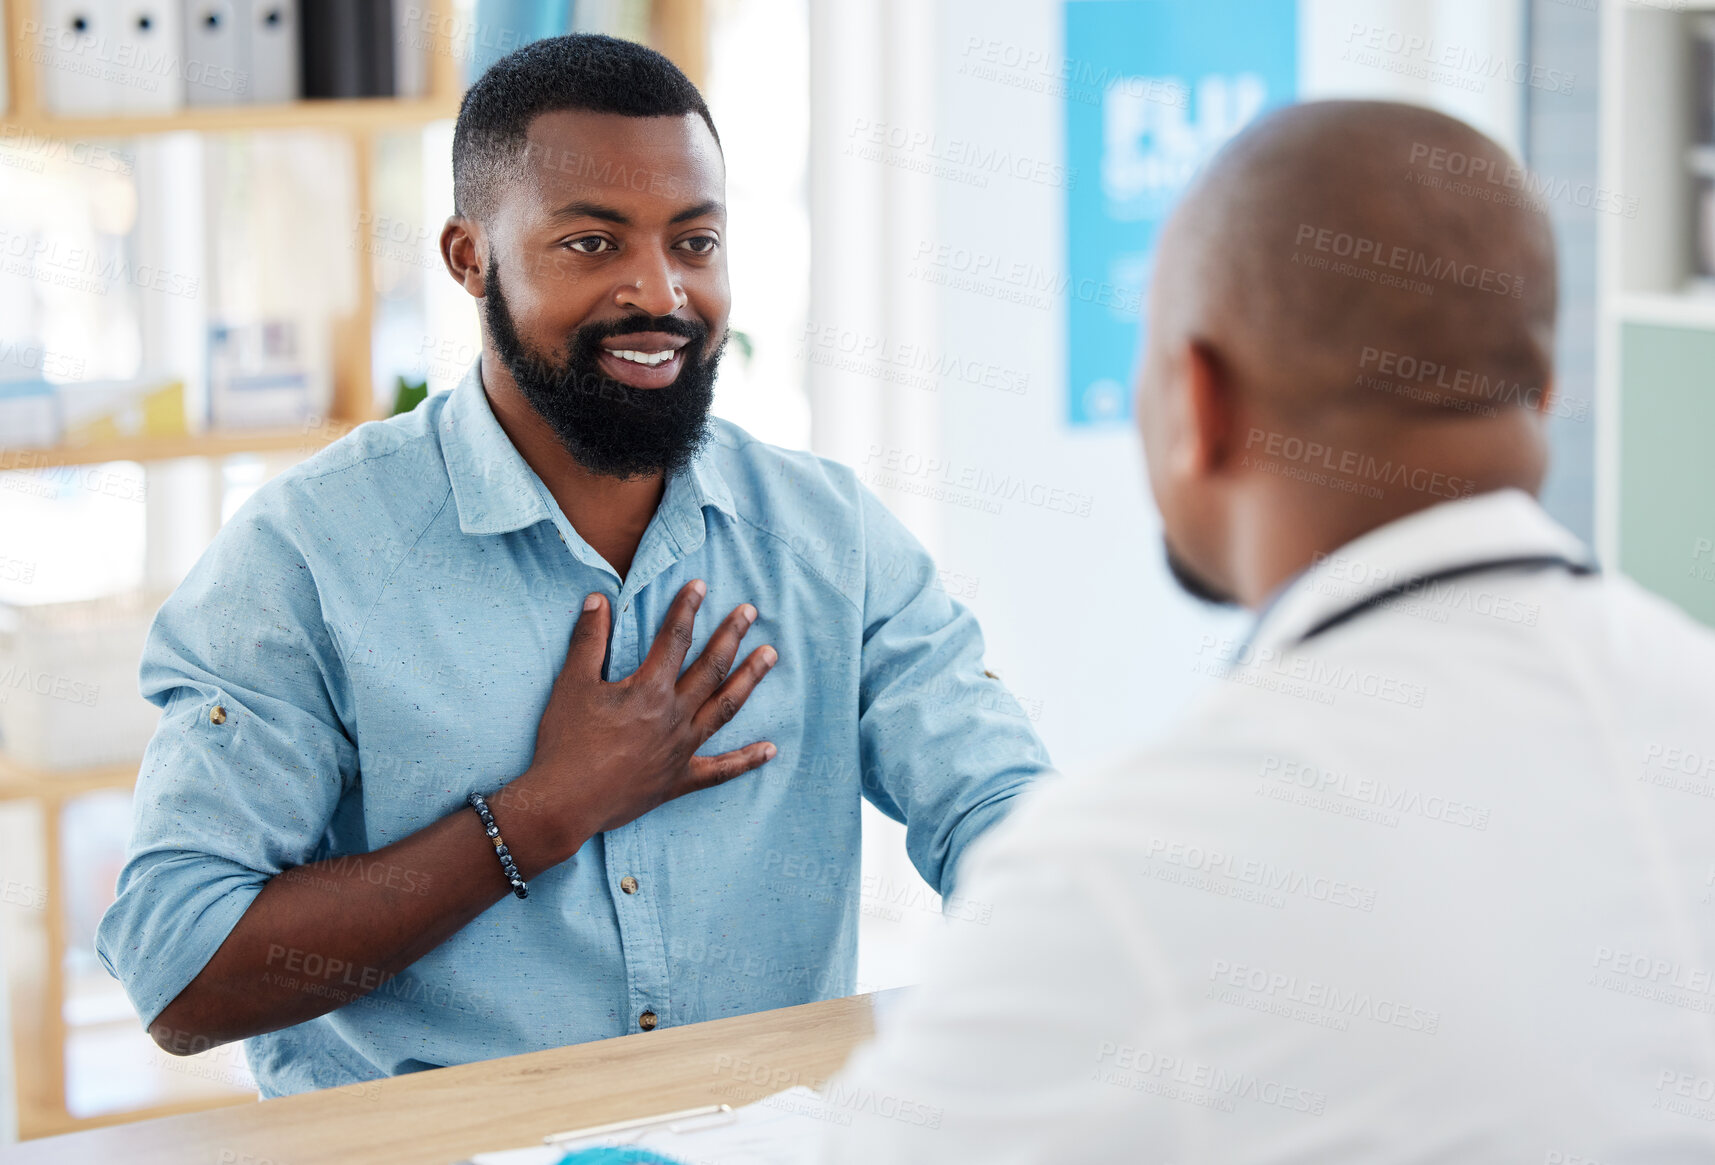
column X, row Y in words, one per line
column 612, row 1156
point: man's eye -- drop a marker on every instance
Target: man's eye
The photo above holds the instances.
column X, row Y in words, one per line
column 590, row 245
column 700, row 244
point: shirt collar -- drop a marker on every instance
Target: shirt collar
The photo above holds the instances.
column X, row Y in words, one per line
column 1504, row 524
column 711, row 488
column 497, row 492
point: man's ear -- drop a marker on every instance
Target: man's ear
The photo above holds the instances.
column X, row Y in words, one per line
column 1212, row 415
column 464, row 249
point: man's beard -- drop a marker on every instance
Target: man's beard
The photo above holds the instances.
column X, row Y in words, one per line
column 1193, row 583
column 608, row 427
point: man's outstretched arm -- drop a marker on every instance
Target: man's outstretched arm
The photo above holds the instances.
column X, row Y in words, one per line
column 944, row 746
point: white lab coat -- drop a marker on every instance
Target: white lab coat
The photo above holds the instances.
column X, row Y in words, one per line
column 1437, row 885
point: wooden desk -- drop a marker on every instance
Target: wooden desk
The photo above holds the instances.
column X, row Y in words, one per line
column 437, row 1117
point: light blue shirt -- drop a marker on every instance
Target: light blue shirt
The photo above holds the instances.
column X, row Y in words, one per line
column 382, row 624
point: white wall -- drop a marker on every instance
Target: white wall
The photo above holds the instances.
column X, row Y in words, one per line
column 1456, row 55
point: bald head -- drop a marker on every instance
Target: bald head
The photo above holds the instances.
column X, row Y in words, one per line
column 1368, row 277
column 1328, row 234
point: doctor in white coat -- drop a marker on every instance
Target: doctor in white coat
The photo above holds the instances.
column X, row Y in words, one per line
column 1430, row 876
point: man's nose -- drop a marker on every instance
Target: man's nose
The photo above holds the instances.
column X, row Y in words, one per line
column 651, row 285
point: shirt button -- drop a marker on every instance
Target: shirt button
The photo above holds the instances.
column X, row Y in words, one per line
column 628, row 884
column 646, row 1021
column 217, row 715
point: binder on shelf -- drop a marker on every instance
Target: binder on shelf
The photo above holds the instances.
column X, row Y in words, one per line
column 269, row 374
column 72, row 38
column 331, row 33
column 1700, row 158
column 375, row 42
column 1703, row 212
column 146, row 77
column 268, row 48
column 1703, row 80
column 411, row 40
column 214, row 73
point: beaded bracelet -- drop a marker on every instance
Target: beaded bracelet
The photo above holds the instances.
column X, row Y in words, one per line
column 507, row 865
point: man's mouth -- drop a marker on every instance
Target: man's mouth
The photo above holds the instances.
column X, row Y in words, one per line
column 649, row 359
column 643, row 360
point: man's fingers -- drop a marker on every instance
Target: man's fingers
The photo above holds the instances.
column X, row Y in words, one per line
column 710, row 668
column 724, row 704
column 589, row 639
column 707, row 771
column 667, row 653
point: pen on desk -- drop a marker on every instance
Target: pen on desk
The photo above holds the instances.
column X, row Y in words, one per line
column 644, row 1122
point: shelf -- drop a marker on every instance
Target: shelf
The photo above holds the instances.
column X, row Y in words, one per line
column 20, row 781
column 45, row 1121
column 1666, row 309
column 364, row 113
column 210, row 444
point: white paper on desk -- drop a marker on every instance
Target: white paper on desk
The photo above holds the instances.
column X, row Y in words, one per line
column 782, row 1129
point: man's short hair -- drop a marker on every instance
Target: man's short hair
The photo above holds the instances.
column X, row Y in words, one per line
column 596, row 74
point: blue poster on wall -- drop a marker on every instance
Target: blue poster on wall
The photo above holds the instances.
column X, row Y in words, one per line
column 1154, row 87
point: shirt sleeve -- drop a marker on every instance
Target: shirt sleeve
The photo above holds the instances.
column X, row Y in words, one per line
column 944, row 746
column 247, row 764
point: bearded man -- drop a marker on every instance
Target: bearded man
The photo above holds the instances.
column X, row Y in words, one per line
column 448, row 768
